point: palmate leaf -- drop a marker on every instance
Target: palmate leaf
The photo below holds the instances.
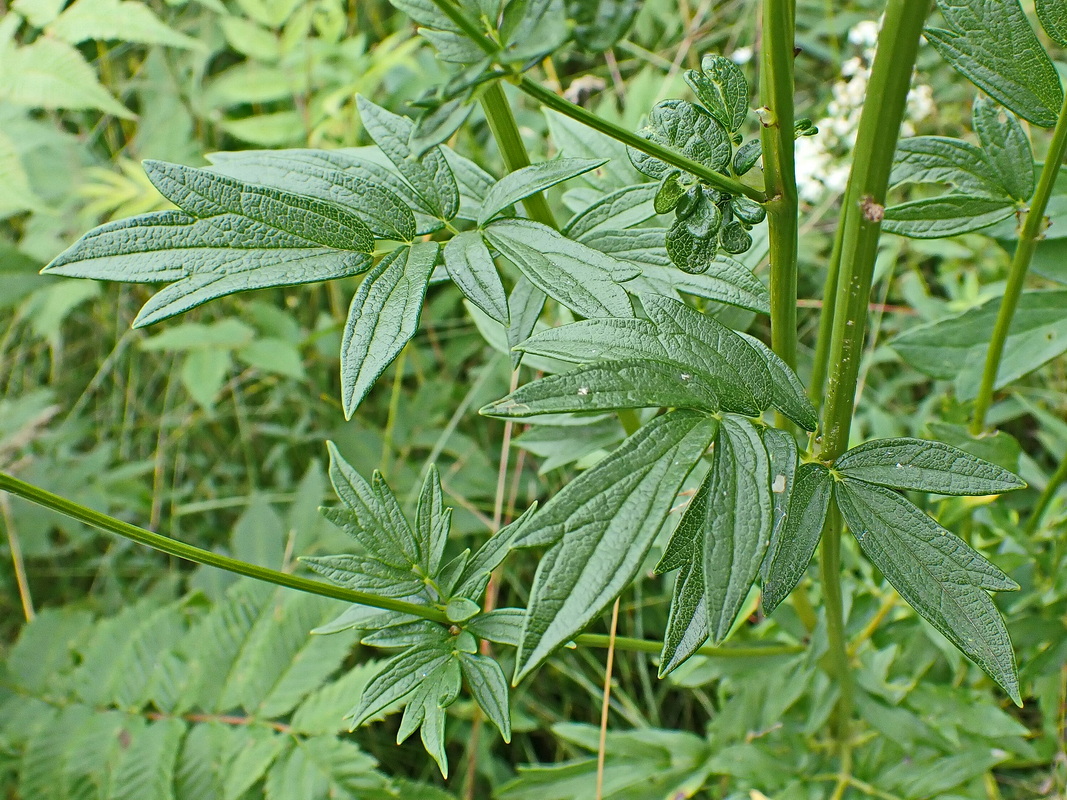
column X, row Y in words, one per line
column 936, row 573
column 993, row 45
column 599, row 528
column 229, row 236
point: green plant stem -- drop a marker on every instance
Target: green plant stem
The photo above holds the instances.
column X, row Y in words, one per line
column 196, row 555
column 173, row 547
column 779, row 171
column 1029, row 236
column 1054, row 483
column 621, row 134
column 506, row 132
column 876, row 142
column 821, row 360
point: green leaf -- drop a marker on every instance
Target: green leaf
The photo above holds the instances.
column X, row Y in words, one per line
column 229, row 236
column 616, row 211
column 489, row 687
column 322, row 766
column 460, row 609
column 739, row 372
column 600, row 527
column 531, row 29
column 501, row 625
column 688, row 626
column 399, row 677
column 474, row 576
column 681, row 126
column 939, row 159
column 322, row 174
column 721, row 87
column 1006, row 146
column 787, row 392
column 669, row 193
column 437, row 126
column 1053, row 17
column 725, row 280
column 432, row 522
column 784, row 455
column 737, row 526
column 575, row 140
column 934, row 571
column 95, row 19
column 530, row 180
column 473, row 181
column 925, row 466
column 692, row 239
column 993, row 45
column 607, row 387
column 583, row 279
column 788, row 558
column 956, row 346
column 600, row 24
column 383, row 317
column 430, row 175
column 947, row 215
column 471, row 268
column 52, row 74
column 525, row 304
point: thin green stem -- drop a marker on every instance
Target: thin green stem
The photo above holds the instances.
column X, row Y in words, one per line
column 173, row 547
column 779, row 170
column 506, row 132
column 876, row 142
column 830, row 569
column 621, row 134
column 1045, row 500
column 1029, row 236
column 196, row 555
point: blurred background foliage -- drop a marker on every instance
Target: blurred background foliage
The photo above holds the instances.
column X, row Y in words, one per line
column 211, row 426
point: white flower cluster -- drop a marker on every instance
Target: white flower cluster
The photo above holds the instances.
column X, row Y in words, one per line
column 820, row 167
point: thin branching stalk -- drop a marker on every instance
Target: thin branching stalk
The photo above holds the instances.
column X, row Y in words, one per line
column 876, row 142
column 1029, row 236
column 1059, row 477
column 779, row 170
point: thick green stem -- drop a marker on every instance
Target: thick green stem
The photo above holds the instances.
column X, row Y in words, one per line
column 1029, row 236
column 621, row 134
column 196, row 555
column 821, row 361
column 876, row 142
column 779, row 170
column 509, row 140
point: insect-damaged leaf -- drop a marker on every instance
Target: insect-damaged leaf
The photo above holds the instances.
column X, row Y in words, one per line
column 600, row 526
column 993, row 45
column 228, row 237
column 583, row 279
column 925, row 466
column 940, row 576
column 383, row 316
column 609, row 386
